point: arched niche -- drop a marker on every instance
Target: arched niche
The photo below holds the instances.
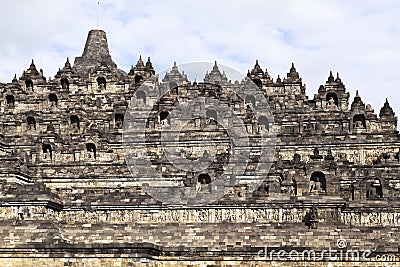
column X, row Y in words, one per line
column 250, row 99
column 29, row 84
column 119, row 120
column 64, row 83
column 91, row 150
column 374, row 189
column 31, row 122
column 53, row 99
column 164, row 118
column 294, row 186
column 263, row 124
column 332, row 99
column 359, row 121
column 257, row 82
column 138, row 79
column 47, row 151
column 211, row 114
column 140, row 95
column 101, row 83
column 74, row 121
column 204, row 178
column 10, row 101
column 317, row 182
column 173, row 86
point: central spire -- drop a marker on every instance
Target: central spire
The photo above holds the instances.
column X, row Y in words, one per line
column 95, row 53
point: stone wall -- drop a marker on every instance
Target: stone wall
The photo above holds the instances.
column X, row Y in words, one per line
column 67, row 196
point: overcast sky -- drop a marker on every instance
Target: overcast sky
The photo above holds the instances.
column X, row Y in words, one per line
column 358, row 39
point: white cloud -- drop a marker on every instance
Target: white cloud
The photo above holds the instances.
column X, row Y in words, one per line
column 359, row 39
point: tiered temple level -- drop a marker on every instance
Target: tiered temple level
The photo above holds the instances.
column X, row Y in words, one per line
column 336, row 165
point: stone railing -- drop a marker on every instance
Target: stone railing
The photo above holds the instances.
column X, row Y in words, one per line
column 26, row 212
column 362, row 218
column 202, row 215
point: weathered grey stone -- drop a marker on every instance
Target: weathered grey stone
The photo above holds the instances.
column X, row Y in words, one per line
column 66, row 191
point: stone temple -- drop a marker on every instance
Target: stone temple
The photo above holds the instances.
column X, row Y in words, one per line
column 67, row 197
